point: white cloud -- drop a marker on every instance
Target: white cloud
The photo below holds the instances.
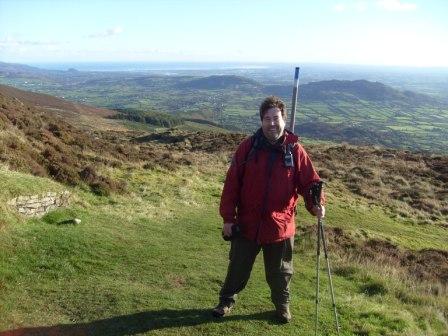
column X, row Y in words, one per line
column 396, row 5
column 107, row 33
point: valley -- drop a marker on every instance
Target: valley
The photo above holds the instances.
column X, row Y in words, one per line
column 356, row 111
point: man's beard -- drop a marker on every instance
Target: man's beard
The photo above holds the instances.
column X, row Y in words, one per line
column 273, row 134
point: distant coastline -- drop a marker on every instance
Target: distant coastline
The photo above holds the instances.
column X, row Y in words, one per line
column 229, row 66
column 151, row 66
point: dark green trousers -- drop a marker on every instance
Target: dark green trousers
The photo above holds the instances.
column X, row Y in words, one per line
column 277, row 264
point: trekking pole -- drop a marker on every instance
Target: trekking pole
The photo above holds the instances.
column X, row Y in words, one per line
column 316, row 191
column 317, row 280
column 329, row 275
column 294, row 100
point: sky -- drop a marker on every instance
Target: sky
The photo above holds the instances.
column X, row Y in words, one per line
column 371, row 32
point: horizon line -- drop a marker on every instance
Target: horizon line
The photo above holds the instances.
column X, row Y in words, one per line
column 280, row 63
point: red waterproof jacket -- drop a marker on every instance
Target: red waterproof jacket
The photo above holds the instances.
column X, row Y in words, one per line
column 260, row 191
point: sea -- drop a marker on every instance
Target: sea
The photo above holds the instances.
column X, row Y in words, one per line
column 153, row 66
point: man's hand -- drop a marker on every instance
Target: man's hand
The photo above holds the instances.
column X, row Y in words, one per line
column 319, row 211
column 227, row 229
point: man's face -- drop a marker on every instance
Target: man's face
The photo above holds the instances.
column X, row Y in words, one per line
column 273, row 124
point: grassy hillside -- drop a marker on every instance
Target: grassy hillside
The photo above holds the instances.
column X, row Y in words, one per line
column 152, row 260
column 148, row 258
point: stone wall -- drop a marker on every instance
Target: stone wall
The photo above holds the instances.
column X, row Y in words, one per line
column 38, row 205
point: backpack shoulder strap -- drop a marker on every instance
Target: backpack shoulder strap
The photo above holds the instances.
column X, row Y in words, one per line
column 256, row 144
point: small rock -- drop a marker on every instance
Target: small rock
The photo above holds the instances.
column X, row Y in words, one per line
column 77, row 221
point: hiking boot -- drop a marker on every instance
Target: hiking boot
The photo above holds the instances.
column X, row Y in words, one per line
column 283, row 314
column 223, row 308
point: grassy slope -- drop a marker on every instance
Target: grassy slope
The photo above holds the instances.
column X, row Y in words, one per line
column 152, row 261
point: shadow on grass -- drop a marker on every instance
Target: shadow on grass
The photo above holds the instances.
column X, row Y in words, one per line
column 137, row 323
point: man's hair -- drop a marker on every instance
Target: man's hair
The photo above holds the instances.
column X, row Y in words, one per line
column 272, row 101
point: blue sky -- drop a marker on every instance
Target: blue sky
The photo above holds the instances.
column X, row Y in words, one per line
column 382, row 32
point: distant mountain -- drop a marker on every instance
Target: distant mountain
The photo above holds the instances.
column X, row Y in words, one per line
column 352, row 91
column 362, row 89
column 15, row 69
column 220, row 82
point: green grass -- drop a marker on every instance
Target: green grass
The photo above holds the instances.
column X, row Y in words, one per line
column 152, row 261
column 137, row 126
column 194, row 127
column 13, row 184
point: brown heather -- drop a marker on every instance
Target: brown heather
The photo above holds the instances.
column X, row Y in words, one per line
column 413, row 184
column 429, row 266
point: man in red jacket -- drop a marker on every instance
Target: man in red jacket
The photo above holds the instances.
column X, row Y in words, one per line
column 268, row 172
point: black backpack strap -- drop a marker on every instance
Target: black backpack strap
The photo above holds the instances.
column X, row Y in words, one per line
column 256, row 145
column 288, row 150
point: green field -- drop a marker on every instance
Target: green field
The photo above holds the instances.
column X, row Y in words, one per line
column 151, row 262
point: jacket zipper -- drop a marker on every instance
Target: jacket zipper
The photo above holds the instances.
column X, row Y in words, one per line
column 271, row 160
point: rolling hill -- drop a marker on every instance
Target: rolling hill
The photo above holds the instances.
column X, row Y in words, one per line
column 16, row 69
column 355, row 90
